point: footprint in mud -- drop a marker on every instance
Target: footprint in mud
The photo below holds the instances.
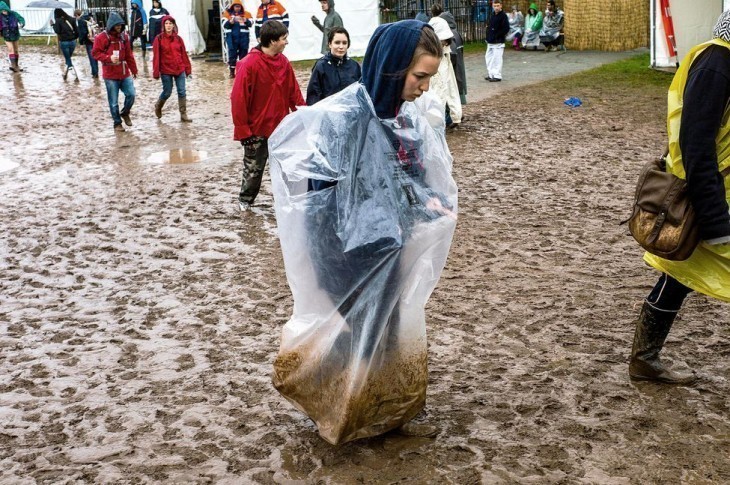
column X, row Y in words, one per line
column 185, row 362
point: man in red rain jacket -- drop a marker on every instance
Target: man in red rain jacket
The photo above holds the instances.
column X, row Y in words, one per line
column 114, row 50
column 264, row 92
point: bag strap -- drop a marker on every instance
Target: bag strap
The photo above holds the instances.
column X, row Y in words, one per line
column 724, row 173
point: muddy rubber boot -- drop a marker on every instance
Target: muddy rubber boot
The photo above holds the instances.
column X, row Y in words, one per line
column 158, row 107
column 652, row 329
column 231, row 72
column 65, row 73
column 14, row 65
column 119, row 128
column 182, row 103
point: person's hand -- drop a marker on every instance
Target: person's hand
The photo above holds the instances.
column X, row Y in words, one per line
column 315, row 20
column 189, row 76
column 134, row 76
column 250, row 141
column 114, row 59
column 434, row 204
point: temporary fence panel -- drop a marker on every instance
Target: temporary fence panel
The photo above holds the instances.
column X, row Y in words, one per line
column 617, row 25
column 693, row 23
column 38, row 21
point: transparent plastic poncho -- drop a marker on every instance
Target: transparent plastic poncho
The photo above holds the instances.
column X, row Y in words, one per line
column 366, row 210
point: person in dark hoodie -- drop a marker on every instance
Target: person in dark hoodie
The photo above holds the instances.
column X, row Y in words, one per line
column 138, row 25
column 10, row 24
column 332, row 19
column 156, row 13
column 65, row 28
column 264, row 92
column 237, row 31
column 354, row 249
column 170, row 62
column 335, row 71
column 113, row 49
column 86, row 26
column 497, row 30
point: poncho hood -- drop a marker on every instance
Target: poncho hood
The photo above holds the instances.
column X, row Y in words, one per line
column 388, row 55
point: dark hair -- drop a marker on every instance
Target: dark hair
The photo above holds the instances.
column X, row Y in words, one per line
column 271, row 31
column 337, row 30
column 428, row 45
column 436, row 9
column 60, row 14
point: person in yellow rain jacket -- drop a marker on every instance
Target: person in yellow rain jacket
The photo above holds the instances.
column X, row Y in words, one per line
column 699, row 150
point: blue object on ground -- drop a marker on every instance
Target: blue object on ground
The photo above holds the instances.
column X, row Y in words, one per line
column 573, row 102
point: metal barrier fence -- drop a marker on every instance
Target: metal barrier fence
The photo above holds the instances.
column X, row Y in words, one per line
column 471, row 15
column 38, row 21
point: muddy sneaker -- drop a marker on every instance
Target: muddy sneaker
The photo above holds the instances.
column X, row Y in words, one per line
column 416, row 430
column 244, row 206
column 65, row 73
column 119, row 128
column 127, row 119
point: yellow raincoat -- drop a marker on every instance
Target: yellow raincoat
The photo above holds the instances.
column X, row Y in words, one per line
column 708, row 269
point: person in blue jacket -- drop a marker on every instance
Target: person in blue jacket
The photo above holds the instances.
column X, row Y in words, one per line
column 138, row 25
column 237, row 24
column 335, row 71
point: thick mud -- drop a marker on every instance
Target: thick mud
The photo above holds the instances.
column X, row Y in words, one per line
column 140, row 311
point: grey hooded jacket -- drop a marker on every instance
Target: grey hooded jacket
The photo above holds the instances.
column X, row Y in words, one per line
column 332, row 19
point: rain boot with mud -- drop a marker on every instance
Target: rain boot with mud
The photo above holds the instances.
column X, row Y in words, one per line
column 183, row 104
column 652, row 329
column 231, row 72
column 158, row 107
column 14, row 65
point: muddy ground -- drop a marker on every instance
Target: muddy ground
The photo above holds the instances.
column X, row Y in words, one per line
column 140, row 311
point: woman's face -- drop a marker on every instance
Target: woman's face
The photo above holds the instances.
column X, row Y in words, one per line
column 155, row 4
column 419, row 76
column 339, row 45
column 169, row 26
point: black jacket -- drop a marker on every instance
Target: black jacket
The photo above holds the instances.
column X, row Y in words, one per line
column 136, row 27
column 331, row 75
column 83, row 29
column 66, row 28
column 706, row 100
column 498, row 28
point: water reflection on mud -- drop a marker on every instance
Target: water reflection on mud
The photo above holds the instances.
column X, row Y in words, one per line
column 178, row 155
column 7, row 165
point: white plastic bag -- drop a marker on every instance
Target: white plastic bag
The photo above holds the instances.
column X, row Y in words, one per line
column 366, row 210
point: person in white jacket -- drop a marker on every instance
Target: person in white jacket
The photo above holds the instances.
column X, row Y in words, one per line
column 443, row 83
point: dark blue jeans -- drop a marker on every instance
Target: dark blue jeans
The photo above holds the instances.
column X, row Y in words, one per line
column 113, row 86
column 668, row 294
column 93, row 62
column 67, row 48
column 167, row 81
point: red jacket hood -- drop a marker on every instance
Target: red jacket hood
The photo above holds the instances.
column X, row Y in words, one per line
column 162, row 24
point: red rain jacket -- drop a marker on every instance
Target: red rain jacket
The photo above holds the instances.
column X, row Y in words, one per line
column 107, row 42
column 169, row 55
column 264, row 92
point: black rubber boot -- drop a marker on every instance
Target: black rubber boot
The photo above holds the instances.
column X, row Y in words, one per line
column 652, row 329
column 231, row 72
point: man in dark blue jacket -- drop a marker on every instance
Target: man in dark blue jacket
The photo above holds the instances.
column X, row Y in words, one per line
column 497, row 30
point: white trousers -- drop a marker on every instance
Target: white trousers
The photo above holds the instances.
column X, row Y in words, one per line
column 493, row 57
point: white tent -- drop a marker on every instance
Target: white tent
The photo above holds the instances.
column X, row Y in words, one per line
column 693, row 22
column 305, row 40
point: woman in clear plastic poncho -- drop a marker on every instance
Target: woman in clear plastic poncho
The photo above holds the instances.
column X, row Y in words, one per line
column 366, row 209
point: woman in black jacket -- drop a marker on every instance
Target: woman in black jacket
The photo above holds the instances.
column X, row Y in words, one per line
column 335, row 71
column 65, row 27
